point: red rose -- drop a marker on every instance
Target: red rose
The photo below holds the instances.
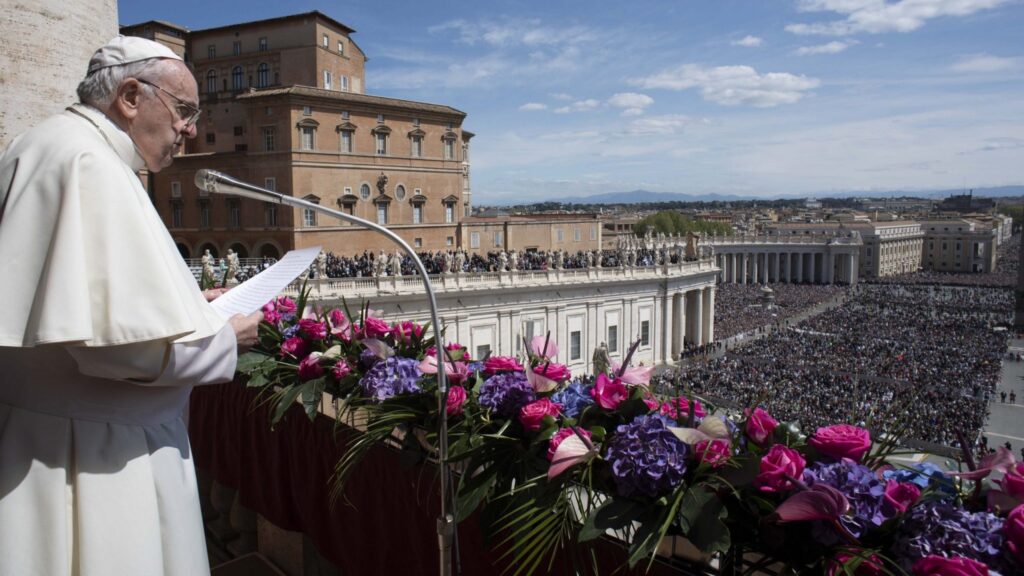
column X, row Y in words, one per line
column 295, row 347
column 552, row 371
column 842, row 441
column 900, row 495
column 1013, row 531
column 375, row 328
column 456, row 398
column 680, row 408
column 285, row 305
column 760, row 426
column 496, row 364
column 313, row 329
column 532, row 414
column 714, row 452
column 777, row 466
column 341, row 369
column 310, row 368
column 939, row 566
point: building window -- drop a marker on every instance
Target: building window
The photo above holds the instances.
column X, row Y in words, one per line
column 270, row 183
column 236, row 78
column 344, row 83
column 417, row 146
column 613, row 338
column 262, row 75
column 449, row 213
column 268, row 138
column 346, row 141
column 327, row 79
column 576, row 234
column 307, row 111
column 449, row 241
column 499, row 238
column 211, row 51
column 308, row 137
column 417, row 242
column 417, row 214
column 269, row 111
column 327, row 41
column 560, row 235
column 176, row 215
column 575, row 345
column 382, row 213
column 270, row 214
column 593, row 232
column 211, row 137
column 345, row 115
column 382, row 144
column 645, row 332
column 341, row 47
column 400, row 192
column 234, row 213
column 263, row 44
column 236, row 47
column 211, row 82
column 416, row 122
column 364, row 191
column 204, row 214
column 449, row 149
column 176, row 189
column 237, row 130
column 474, row 239
column 380, row 118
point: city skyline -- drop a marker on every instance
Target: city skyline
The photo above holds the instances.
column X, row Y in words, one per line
column 738, row 97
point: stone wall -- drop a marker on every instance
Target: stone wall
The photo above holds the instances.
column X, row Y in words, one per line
column 45, row 46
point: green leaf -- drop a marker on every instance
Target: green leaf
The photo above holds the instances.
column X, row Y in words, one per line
column 744, row 475
column 475, row 491
column 700, row 517
column 613, row 514
column 257, row 380
column 284, row 402
column 647, row 536
column 250, row 361
column 312, row 394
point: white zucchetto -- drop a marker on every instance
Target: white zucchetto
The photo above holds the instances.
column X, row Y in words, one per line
column 127, row 49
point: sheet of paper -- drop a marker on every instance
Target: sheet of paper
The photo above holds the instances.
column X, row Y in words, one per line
column 251, row 295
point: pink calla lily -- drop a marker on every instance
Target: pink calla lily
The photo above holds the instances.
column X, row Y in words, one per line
column 999, row 461
column 570, row 452
column 710, row 429
column 537, row 347
column 456, row 373
column 539, row 383
column 379, row 348
column 634, row 375
column 819, row 502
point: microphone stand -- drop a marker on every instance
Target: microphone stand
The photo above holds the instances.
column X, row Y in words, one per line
column 219, row 183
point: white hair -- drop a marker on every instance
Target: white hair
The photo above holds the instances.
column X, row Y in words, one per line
column 99, row 88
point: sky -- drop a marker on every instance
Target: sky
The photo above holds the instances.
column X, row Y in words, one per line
column 751, row 97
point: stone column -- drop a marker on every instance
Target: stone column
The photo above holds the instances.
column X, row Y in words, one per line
column 743, row 268
column 678, row 323
column 799, row 267
column 708, row 322
column 698, row 314
column 814, row 279
column 753, row 270
column 45, row 46
column 666, row 356
column 767, row 268
column 778, row 272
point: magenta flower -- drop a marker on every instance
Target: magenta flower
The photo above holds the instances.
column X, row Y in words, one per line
column 270, row 313
column 608, row 393
column 819, row 502
column 405, row 332
column 496, row 364
column 285, row 305
column 1013, row 481
column 341, row 327
column 1013, row 531
column 760, row 426
column 633, row 375
column 310, row 368
column 375, row 328
column 313, row 329
column 714, row 452
column 778, row 466
column 456, row 373
column 537, row 347
column 900, row 495
column 940, row 566
column 341, row 369
column 295, row 347
column 552, row 371
column 842, row 441
column 561, row 435
column 679, row 408
column 456, row 398
column 869, row 566
column 531, row 415
column 999, row 461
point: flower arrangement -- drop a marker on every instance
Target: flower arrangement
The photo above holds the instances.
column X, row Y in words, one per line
column 556, row 461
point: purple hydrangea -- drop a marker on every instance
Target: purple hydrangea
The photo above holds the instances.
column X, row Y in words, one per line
column 367, row 358
column 944, row 529
column 573, row 398
column 861, row 487
column 391, row 377
column 474, row 367
column 506, row 393
column 646, row 458
column 290, row 331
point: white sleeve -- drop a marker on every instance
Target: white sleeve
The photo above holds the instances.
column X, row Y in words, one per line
column 209, row 360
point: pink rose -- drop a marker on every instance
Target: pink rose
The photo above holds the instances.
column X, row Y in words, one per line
column 341, row 369
column 310, row 368
column 939, row 566
column 608, row 393
column 375, row 328
column 1013, row 482
column 842, row 441
column 562, row 434
column 313, row 329
column 715, row 452
column 532, row 414
column 552, row 371
column 285, row 305
column 760, row 426
column 295, row 347
column 406, row 331
column 341, row 327
column 456, row 398
column 900, row 495
column 777, row 466
column 652, row 402
column 270, row 314
column 496, row 364
column 679, row 408
column 1013, row 531
column 870, row 566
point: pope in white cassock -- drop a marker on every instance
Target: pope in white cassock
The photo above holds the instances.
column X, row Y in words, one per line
column 104, row 333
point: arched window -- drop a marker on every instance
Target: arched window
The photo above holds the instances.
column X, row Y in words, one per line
column 364, row 191
column 236, row 78
column 211, row 82
column 262, row 75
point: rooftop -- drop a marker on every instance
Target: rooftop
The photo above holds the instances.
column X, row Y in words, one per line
column 354, row 98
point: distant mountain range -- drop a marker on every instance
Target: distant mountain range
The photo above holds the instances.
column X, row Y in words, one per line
column 646, row 196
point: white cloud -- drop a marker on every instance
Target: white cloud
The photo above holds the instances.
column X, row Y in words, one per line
column 748, row 41
column 880, row 16
column 562, row 96
column 633, row 103
column 579, row 106
column 514, row 32
column 981, row 63
column 531, row 106
column 833, row 47
column 733, row 85
column 658, row 125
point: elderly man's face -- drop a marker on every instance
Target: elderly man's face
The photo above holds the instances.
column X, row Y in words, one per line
column 159, row 129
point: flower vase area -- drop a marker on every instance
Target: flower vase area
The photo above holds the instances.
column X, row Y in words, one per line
column 553, row 462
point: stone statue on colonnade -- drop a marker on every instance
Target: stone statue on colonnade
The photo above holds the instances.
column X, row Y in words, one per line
column 460, row 261
column 207, row 267
column 321, row 265
column 502, row 261
column 233, row 267
column 601, row 359
column 449, row 262
column 513, row 263
column 396, row 263
column 559, row 259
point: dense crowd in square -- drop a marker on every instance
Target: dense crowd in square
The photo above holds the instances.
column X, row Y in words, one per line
column 738, row 307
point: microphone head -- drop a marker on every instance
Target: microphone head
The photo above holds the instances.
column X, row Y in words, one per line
column 206, row 179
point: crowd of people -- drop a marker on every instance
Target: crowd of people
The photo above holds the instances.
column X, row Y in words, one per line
column 1005, row 274
column 918, row 361
column 739, row 307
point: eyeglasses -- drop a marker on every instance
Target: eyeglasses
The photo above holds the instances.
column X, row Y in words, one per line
column 184, row 110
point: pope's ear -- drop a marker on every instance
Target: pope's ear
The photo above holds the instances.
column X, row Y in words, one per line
column 127, row 99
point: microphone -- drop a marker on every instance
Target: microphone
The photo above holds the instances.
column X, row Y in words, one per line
column 220, row 183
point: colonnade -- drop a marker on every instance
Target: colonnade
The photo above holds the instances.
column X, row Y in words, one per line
column 692, row 320
column 808, row 267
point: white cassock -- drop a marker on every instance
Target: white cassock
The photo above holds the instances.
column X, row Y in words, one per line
column 104, row 333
